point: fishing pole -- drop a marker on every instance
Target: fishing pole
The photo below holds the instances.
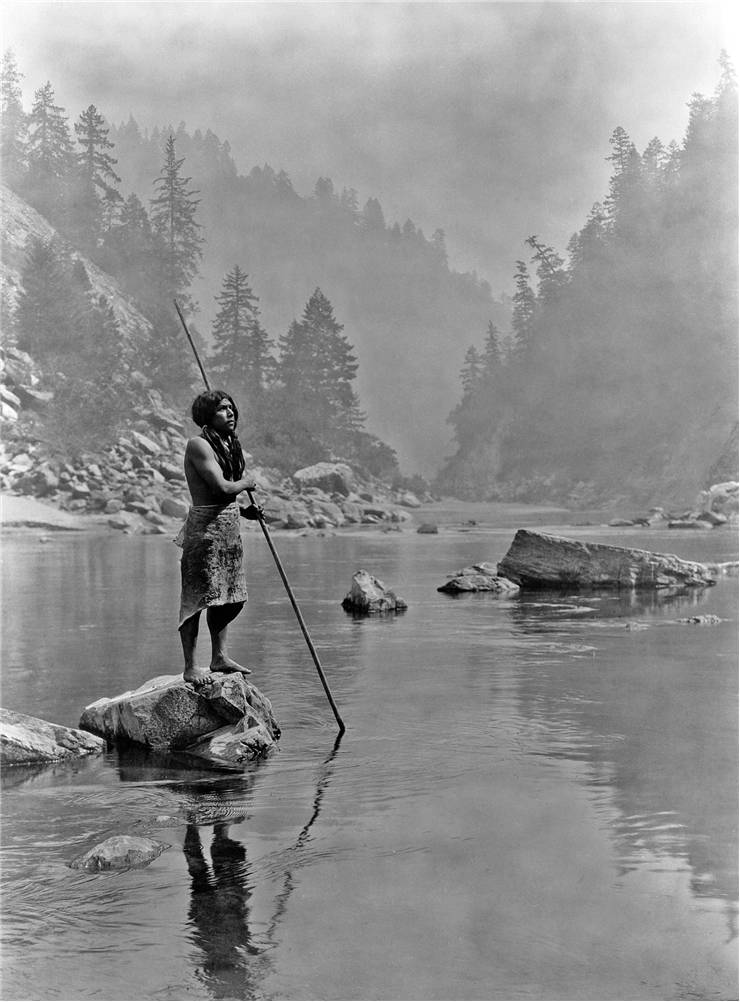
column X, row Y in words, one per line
column 278, row 564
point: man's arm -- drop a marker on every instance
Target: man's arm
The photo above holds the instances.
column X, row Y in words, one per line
column 200, row 454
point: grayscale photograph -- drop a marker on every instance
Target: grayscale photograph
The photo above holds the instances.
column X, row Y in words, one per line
column 369, row 500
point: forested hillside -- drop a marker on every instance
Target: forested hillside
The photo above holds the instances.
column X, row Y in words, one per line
column 611, row 374
column 108, row 189
column 621, row 377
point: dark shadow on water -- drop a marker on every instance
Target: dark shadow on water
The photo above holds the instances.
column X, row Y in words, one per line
column 145, row 765
column 231, row 961
column 232, row 966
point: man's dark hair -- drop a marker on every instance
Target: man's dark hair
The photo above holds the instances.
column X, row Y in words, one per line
column 206, row 404
column 229, row 454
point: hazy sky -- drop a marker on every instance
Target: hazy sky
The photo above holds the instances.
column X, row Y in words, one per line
column 488, row 120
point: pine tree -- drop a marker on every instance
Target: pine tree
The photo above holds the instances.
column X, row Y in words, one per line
column 624, row 182
column 523, row 308
column 590, row 242
column 50, row 150
column 373, row 219
column 129, row 250
column 492, row 353
column 51, row 160
column 96, row 192
column 13, row 123
column 653, row 163
column 317, row 369
column 50, row 304
column 241, row 356
column 471, row 372
column 173, row 220
column 552, row 277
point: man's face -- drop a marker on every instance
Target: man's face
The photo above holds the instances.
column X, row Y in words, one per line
column 223, row 421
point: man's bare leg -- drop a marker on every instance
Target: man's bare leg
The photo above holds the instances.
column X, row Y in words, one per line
column 218, row 618
column 189, row 639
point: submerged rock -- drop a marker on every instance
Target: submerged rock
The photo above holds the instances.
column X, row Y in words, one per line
column 120, row 852
column 479, row 577
column 539, row 560
column 368, row 595
column 707, row 619
column 169, row 713
column 25, row 740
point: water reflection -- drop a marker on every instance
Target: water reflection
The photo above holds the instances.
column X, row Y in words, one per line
column 219, row 913
column 655, row 757
column 535, row 612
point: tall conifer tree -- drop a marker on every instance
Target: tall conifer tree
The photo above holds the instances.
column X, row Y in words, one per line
column 51, row 160
column 241, row 356
column 173, row 211
column 13, row 123
column 97, row 180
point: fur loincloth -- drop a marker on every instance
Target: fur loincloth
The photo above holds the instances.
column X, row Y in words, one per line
column 211, row 565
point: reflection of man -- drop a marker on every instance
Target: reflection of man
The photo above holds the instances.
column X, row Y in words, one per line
column 211, row 566
column 218, row 907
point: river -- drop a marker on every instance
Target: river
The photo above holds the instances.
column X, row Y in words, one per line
column 535, row 798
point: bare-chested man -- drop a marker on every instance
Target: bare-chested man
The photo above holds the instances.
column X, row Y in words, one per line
column 212, row 572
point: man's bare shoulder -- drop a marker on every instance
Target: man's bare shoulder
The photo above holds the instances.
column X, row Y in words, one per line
column 198, row 447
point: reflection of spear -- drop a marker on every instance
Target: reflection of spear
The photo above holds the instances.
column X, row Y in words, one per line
column 278, row 564
column 321, row 786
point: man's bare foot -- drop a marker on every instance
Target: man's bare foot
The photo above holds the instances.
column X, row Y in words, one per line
column 198, row 676
column 228, row 666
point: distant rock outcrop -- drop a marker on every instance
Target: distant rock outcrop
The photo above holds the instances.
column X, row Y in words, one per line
column 368, row 596
column 539, row 560
column 229, row 721
column 333, row 478
column 26, row 740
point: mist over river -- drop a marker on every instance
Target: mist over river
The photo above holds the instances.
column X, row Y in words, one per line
column 535, row 798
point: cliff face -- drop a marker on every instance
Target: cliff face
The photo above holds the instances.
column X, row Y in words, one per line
column 19, row 223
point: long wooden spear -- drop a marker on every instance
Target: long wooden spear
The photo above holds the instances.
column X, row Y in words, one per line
column 278, row 564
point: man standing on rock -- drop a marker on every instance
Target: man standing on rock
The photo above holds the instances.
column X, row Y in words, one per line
column 211, row 566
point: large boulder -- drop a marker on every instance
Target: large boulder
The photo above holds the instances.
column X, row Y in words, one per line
column 368, row 595
column 25, row 740
column 479, row 577
column 540, row 560
column 169, row 713
column 334, row 478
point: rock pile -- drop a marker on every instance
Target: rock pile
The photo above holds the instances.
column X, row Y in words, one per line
column 714, row 507
column 138, row 481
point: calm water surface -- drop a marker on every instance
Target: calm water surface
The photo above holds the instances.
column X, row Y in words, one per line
column 536, row 798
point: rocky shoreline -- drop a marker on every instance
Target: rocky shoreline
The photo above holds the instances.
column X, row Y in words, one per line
column 137, row 484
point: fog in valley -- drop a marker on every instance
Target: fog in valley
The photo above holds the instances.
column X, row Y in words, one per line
column 471, row 127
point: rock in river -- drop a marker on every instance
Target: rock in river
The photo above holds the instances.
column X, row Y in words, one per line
column 539, row 560
column 25, row 740
column 479, row 577
column 119, row 852
column 229, row 721
column 368, row 595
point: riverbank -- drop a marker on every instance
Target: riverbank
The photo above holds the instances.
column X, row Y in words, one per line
column 20, row 512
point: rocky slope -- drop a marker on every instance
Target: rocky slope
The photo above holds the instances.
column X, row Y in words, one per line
column 138, row 484
column 137, row 481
